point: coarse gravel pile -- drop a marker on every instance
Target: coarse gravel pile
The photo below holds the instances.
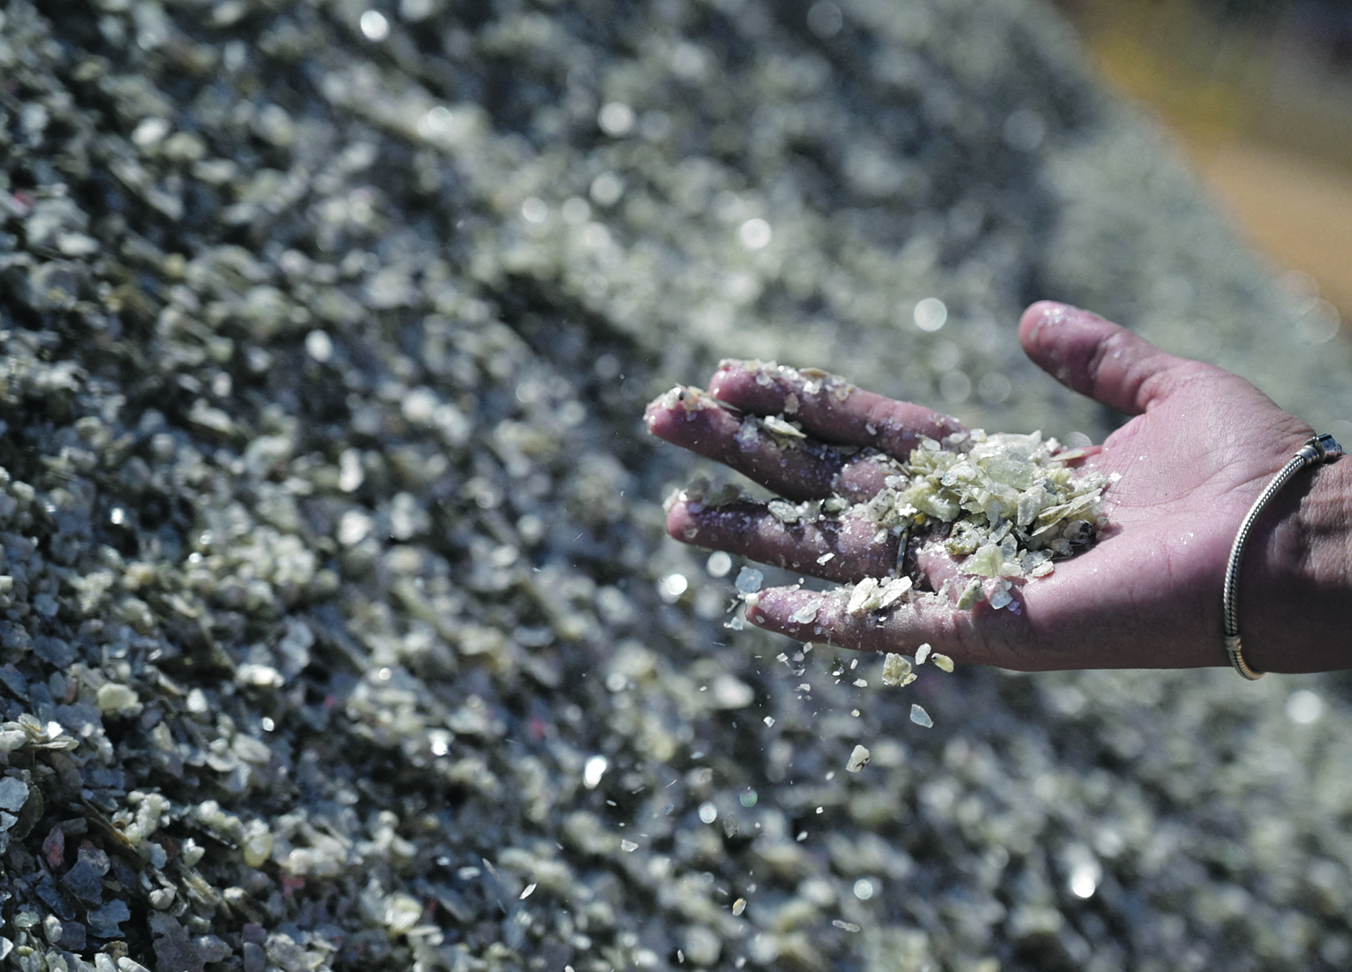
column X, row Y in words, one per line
column 339, row 626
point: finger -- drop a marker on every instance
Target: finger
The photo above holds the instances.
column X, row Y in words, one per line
column 979, row 635
column 970, row 636
column 795, row 467
column 1099, row 359
column 1068, row 620
column 829, row 407
column 843, row 549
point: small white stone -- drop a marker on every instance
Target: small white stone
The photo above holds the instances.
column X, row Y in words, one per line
column 805, row 614
column 863, row 594
column 779, row 426
column 749, row 580
column 895, row 668
column 115, row 697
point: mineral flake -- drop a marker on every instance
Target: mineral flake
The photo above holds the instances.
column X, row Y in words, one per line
column 749, row 580
column 896, row 669
column 872, row 594
column 779, row 426
column 13, row 794
column 805, row 614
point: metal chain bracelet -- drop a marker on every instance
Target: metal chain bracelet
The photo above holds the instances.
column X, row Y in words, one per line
column 1317, row 449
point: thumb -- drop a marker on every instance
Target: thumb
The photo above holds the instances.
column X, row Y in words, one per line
column 1100, row 359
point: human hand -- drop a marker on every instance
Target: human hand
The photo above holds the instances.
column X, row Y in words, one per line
column 1199, row 448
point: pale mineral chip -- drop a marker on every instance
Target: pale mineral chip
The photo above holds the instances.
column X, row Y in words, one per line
column 920, row 717
column 895, row 668
column 13, row 794
column 922, row 653
column 963, row 539
column 749, row 580
column 730, row 692
column 256, row 844
column 974, row 593
column 859, row 758
column 116, row 697
column 778, row 426
column 256, row 675
column 763, row 369
column 943, row 662
column 738, row 907
column 894, row 590
column 593, row 770
column 805, row 614
column 986, row 562
column 864, row 596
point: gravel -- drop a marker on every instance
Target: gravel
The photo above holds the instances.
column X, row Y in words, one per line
column 338, row 628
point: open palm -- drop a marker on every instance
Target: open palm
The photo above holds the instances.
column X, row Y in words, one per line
column 1198, row 450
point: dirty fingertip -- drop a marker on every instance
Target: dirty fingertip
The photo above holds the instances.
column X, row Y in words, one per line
column 681, row 522
column 786, row 610
column 760, row 610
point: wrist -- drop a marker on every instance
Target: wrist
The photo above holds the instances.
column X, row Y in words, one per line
column 1293, row 605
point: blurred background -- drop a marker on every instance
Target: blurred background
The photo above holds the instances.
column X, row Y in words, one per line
column 1259, row 97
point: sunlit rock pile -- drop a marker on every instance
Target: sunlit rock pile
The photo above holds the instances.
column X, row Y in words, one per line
column 338, row 626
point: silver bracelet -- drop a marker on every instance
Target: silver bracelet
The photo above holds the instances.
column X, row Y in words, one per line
column 1317, row 449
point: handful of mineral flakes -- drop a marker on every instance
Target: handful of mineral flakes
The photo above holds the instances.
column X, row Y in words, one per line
column 873, row 488
column 1006, row 505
